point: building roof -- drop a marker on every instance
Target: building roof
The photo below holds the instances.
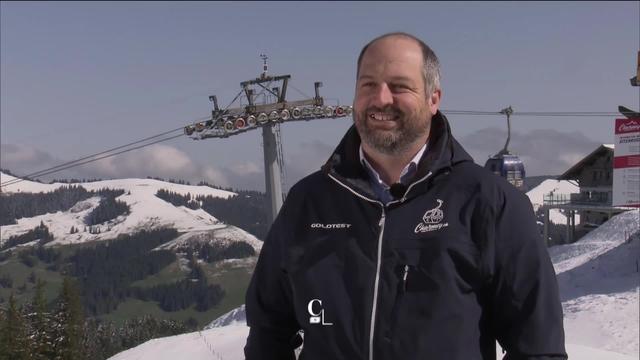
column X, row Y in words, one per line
column 574, row 171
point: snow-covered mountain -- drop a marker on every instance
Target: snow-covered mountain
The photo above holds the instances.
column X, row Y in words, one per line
column 599, row 285
column 147, row 211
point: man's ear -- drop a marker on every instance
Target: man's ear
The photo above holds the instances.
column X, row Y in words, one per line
column 434, row 101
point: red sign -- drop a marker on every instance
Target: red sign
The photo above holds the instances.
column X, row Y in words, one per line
column 626, row 163
column 620, row 162
column 624, row 126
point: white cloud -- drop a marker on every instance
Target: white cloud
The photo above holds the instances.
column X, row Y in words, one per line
column 215, row 176
column 155, row 160
column 25, row 158
column 246, row 169
column 158, row 160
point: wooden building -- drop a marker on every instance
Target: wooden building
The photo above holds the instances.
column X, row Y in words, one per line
column 594, row 176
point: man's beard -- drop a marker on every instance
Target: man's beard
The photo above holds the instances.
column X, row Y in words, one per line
column 410, row 127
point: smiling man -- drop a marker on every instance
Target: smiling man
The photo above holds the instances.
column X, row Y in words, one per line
column 401, row 247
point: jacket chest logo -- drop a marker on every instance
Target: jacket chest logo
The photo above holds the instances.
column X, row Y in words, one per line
column 432, row 220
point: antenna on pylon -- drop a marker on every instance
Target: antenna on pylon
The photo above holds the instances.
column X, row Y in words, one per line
column 264, row 58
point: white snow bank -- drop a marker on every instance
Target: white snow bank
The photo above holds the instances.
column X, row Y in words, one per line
column 227, row 343
column 607, row 236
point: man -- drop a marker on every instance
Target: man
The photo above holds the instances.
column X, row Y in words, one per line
column 401, row 247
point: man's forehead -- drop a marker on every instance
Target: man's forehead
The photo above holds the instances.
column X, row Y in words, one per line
column 392, row 49
column 400, row 55
column 397, row 78
column 391, row 44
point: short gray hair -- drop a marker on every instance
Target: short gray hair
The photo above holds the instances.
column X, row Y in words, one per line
column 430, row 63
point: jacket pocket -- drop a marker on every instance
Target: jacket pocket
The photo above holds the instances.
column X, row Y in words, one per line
column 403, row 274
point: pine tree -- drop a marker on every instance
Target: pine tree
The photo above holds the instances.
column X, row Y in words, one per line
column 40, row 321
column 69, row 327
column 14, row 342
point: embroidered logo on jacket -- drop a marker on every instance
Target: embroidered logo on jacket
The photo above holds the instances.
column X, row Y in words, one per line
column 432, row 220
column 317, row 317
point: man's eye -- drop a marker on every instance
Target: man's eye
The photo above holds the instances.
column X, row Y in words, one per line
column 400, row 87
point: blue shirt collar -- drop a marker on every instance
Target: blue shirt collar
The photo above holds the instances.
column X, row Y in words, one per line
column 380, row 188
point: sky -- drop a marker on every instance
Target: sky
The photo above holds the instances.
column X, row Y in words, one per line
column 78, row 78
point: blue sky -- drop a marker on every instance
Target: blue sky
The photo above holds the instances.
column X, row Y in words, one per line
column 78, row 78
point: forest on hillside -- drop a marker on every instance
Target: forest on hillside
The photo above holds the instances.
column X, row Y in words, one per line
column 247, row 210
column 106, row 270
column 14, row 206
column 60, row 329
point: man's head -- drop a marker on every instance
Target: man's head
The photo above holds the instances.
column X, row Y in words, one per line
column 397, row 93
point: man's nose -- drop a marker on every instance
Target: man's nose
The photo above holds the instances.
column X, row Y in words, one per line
column 383, row 96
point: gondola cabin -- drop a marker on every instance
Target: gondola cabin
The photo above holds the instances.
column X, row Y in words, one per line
column 509, row 167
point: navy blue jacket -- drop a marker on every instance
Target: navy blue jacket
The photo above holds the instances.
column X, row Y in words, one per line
column 443, row 272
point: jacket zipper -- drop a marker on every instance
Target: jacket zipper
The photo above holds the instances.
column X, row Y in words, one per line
column 381, row 224
column 375, row 288
column 378, row 263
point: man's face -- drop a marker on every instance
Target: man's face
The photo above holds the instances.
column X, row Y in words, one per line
column 392, row 112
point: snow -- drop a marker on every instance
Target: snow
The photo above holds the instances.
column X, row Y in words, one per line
column 147, row 211
column 599, row 287
column 536, row 195
column 557, row 216
column 27, row 186
column 236, row 316
column 223, row 235
column 599, row 241
column 599, row 279
column 214, row 344
column 555, row 187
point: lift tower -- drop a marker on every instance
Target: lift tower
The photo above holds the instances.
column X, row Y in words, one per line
column 268, row 116
column 271, row 146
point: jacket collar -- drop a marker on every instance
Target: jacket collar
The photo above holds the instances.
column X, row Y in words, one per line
column 443, row 153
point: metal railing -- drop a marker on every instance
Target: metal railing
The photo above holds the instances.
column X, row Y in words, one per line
column 594, row 198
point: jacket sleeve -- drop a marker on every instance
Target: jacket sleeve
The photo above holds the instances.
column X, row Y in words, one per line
column 526, row 310
column 269, row 305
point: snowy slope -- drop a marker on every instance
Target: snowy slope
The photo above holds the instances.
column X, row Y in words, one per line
column 147, row 212
column 599, row 285
column 236, row 316
column 556, row 187
column 599, row 241
column 221, row 343
column 599, row 279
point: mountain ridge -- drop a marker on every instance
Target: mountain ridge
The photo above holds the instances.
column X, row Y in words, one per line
column 147, row 211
